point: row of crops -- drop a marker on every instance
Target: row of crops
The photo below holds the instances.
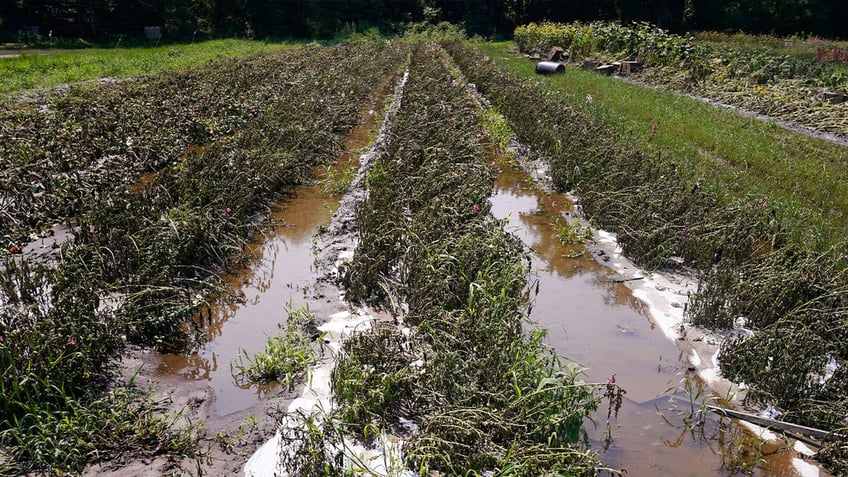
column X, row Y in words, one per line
column 485, row 394
column 223, row 141
column 753, row 274
column 59, row 152
column 779, row 85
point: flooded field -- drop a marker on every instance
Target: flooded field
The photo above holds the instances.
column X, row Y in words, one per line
column 276, row 278
column 272, row 276
column 590, row 313
column 593, row 319
column 387, row 286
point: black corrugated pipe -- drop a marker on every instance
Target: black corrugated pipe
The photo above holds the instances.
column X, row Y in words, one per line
column 548, row 67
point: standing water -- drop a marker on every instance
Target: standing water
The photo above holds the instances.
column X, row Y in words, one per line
column 276, row 277
column 593, row 318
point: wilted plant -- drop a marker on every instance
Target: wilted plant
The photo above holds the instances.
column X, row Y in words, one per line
column 485, row 392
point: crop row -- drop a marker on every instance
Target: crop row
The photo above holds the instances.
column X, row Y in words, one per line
column 60, row 151
column 793, row 298
column 485, row 393
column 779, row 85
column 143, row 256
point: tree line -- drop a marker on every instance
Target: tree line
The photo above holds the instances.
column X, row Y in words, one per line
column 321, row 19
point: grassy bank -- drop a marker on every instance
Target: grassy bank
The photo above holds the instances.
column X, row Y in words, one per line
column 61, row 66
column 740, row 156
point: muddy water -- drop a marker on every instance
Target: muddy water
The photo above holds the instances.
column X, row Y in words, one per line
column 278, row 270
column 275, row 275
column 594, row 320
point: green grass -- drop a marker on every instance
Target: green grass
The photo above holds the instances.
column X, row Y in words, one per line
column 744, row 156
column 286, row 357
column 46, row 70
column 797, row 47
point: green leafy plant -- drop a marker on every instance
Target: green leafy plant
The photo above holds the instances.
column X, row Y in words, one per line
column 286, row 356
column 571, row 232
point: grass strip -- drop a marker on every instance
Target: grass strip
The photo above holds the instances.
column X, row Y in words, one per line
column 49, row 69
column 780, row 85
column 486, row 393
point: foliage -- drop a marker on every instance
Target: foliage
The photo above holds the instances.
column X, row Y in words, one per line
column 107, row 22
column 757, row 274
column 75, row 432
column 442, row 31
column 485, row 393
column 143, row 255
column 778, row 82
column 337, row 180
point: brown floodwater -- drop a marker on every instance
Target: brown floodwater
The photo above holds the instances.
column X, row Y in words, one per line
column 594, row 320
column 278, row 271
column 274, row 274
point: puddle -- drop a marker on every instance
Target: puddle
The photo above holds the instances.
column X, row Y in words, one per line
column 277, row 273
column 593, row 318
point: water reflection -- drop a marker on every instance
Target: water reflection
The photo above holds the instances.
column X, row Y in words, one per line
column 275, row 271
column 272, row 275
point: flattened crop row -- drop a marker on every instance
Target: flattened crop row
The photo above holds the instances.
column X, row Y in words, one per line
column 794, row 298
column 59, row 152
column 486, row 394
column 140, row 257
column 657, row 211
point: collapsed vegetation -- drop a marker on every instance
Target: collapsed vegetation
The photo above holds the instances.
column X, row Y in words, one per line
column 779, row 85
column 142, row 256
column 145, row 249
column 485, row 393
column 755, row 273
